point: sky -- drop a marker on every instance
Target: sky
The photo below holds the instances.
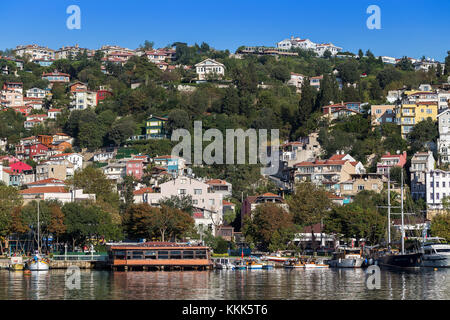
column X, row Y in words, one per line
column 413, row 28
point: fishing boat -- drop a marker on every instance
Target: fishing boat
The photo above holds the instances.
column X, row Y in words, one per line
column 16, row 264
column 240, row 265
column 392, row 258
column 276, row 258
column 293, row 264
column 253, row 264
column 38, row 263
column 347, row 258
column 312, row 265
column 267, row 265
column 224, row 264
column 436, row 254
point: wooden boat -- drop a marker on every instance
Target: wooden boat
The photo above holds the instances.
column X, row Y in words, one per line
column 293, row 263
column 16, row 264
column 267, row 266
column 37, row 263
column 253, row 265
column 312, row 265
column 240, row 265
column 347, row 258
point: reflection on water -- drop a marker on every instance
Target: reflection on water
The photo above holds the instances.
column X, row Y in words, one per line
column 294, row 284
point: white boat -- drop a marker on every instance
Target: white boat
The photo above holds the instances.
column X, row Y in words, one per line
column 37, row 263
column 224, row 263
column 436, row 254
column 253, row 265
column 276, row 258
column 347, row 258
column 315, row 265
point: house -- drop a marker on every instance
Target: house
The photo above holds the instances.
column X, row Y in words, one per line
column 207, row 203
column 156, row 56
column 28, row 124
column 103, row 156
column 297, row 151
column 135, row 168
column 421, row 163
column 20, row 174
column 174, row 165
column 58, row 193
column 324, row 47
column 11, row 94
column 34, row 103
column 82, row 99
column 382, row 114
column 53, row 113
column 360, row 182
column 156, row 127
column 44, row 62
column 102, row 94
column 293, row 43
column 60, row 170
column 35, row 51
column 410, row 113
column 296, row 80
column 141, row 195
column 66, row 52
column 209, row 68
column 391, row 160
column 220, row 186
column 353, row 106
column 330, row 172
column 115, row 171
column 437, row 187
column 251, row 202
column 78, row 86
column 388, row 60
column 73, row 158
column 56, row 77
column 315, row 82
column 443, row 142
column 51, row 182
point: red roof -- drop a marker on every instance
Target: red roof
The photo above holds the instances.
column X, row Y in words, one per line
column 37, row 190
column 216, row 181
column 20, row 166
column 143, row 191
column 47, row 181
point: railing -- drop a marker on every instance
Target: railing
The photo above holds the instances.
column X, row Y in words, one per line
column 87, row 257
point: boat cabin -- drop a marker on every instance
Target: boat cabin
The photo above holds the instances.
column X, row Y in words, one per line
column 158, row 256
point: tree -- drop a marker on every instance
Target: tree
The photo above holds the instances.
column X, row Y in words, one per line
column 440, row 226
column 56, row 225
column 182, row 202
column 422, row 134
column 309, row 204
column 121, row 130
column 270, row 227
column 348, row 71
column 328, row 91
column 405, row 64
column 9, row 199
column 306, row 103
column 93, row 180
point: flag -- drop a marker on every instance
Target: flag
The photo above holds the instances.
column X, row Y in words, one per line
column 242, row 255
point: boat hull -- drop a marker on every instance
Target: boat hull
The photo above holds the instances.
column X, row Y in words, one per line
column 346, row 263
column 436, row 261
column 401, row 261
column 38, row 266
column 255, row 267
column 16, row 267
column 314, row 266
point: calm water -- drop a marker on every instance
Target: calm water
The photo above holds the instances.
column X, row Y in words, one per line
column 227, row 284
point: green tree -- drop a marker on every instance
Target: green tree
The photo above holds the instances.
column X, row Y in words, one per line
column 270, row 227
column 9, row 199
column 440, row 226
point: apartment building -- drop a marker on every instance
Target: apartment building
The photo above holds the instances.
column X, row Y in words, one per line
column 391, row 160
column 382, row 114
column 421, row 163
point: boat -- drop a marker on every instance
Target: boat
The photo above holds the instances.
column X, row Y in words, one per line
column 253, row 264
column 16, row 264
column 345, row 257
column 38, row 263
column 436, row 254
column 267, row 265
column 293, row 263
column 276, row 258
column 394, row 258
column 224, row 264
column 312, row 265
column 240, row 265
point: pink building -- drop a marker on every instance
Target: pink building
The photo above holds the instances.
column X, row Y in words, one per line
column 391, row 160
column 135, row 168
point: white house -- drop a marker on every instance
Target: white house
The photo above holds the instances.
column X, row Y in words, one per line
column 443, row 142
column 35, row 93
column 322, row 48
column 209, row 67
column 388, row 60
column 81, row 100
column 296, row 80
column 304, row 44
column 52, row 113
column 437, row 188
column 73, row 158
column 207, row 203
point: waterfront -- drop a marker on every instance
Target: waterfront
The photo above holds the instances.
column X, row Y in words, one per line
column 340, row 284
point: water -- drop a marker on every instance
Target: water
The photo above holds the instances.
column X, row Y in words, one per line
column 294, row 284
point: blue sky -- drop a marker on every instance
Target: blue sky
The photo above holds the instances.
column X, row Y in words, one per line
column 413, row 28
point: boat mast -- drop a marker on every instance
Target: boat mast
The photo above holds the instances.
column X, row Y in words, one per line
column 38, row 227
column 389, row 207
column 403, row 221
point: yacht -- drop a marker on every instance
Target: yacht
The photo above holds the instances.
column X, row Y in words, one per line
column 224, row 263
column 436, row 254
column 347, row 258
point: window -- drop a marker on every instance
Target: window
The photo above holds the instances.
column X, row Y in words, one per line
column 211, row 202
column 163, row 254
column 437, row 184
column 437, row 196
column 443, row 184
column 181, row 191
column 431, row 184
column 360, row 187
column 197, row 191
column 175, row 254
column 188, row 254
column 431, row 195
column 194, row 201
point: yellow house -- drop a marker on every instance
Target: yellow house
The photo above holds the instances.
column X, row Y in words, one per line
column 409, row 115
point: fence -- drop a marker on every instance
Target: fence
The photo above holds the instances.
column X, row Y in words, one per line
column 87, row 257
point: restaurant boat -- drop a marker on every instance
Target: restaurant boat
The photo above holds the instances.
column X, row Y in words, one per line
column 158, row 256
column 347, row 258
